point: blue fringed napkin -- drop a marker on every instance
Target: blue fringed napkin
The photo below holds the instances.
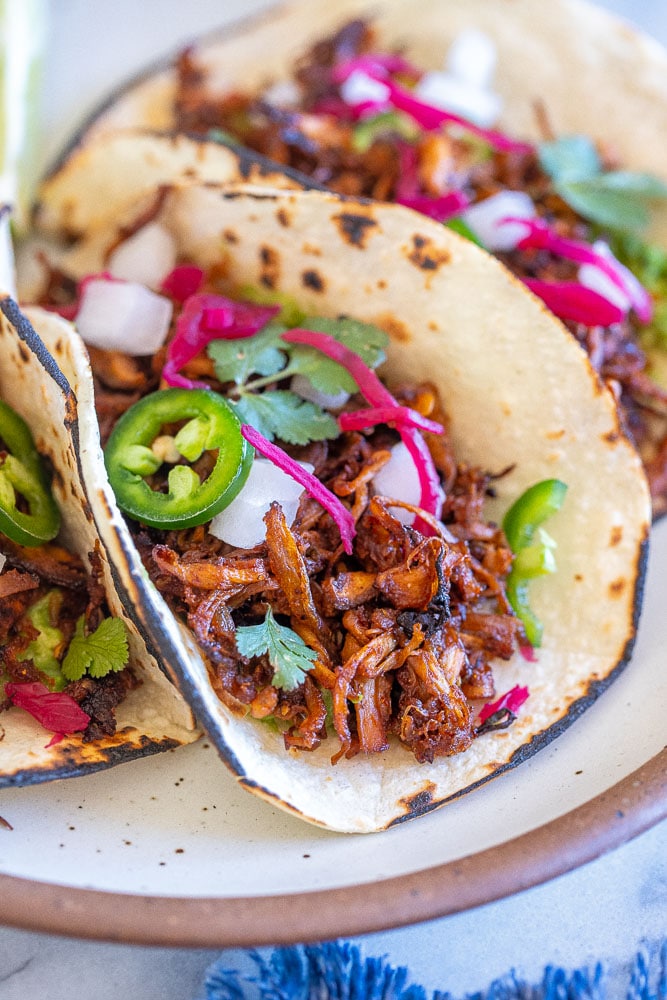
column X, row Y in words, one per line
column 338, row 971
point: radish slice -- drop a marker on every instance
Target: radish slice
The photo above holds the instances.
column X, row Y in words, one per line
column 123, row 316
column 242, row 523
column 146, row 257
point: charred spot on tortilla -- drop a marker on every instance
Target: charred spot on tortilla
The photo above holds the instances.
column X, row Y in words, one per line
column 616, row 535
column 270, row 266
column 616, row 587
column 354, row 228
column 426, row 255
column 396, row 330
column 612, row 436
column 230, row 236
column 313, row 280
column 283, row 217
column 417, row 804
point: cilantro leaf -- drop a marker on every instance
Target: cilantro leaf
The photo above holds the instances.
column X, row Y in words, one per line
column 570, row 158
column 288, row 654
column 262, row 354
column 619, row 199
column 281, row 413
column 102, row 652
column 368, row 341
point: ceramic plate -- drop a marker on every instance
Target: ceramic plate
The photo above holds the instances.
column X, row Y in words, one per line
column 170, row 850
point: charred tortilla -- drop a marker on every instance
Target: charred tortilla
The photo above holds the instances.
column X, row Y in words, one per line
column 551, row 77
column 152, row 717
column 520, row 396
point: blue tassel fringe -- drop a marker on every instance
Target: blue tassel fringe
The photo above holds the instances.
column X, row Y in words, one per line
column 338, row 971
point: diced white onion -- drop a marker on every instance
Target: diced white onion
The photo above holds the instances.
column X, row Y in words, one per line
column 146, row 257
column 283, row 94
column 448, row 92
column 485, row 219
column 592, row 277
column 360, row 87
column 472, row 59
column 3, row 560
column 304, row 388
column 242, row 523
column 123, row 316
column 399, row 480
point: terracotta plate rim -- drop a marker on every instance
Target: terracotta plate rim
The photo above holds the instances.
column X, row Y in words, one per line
column 605, row 822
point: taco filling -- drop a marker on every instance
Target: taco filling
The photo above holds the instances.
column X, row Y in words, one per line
column 563, row 214
column 354, row 457
column 78, row 689
column 370, row 603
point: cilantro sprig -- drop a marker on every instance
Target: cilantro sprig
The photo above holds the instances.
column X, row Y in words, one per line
column 252, row 364
column 102, row 652
column 288, row 654
column 617, row 199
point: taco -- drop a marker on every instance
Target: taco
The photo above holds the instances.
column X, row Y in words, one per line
column 78, row 689
column 369, row 622
column 369, row 100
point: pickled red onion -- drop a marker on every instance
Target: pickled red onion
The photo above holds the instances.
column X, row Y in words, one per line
column 428, row 117
column 376, row 395
column 207, row 317
column 441, row 208
column 402, row 416
column 310, row 483
column 512, row 700
column 570, row 300
column 541, row 236
column 54, row 710
column 185, row 280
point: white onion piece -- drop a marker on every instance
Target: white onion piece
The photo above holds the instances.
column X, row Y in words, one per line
column 242, row 523
column 472, row 59
column 123, row 316
column 485, row 219
column 304, row 388
column 449, row 93
column 283, row 94
column 399, row 480
column 592, row 277
column 360, row 87
column 146, row 257
column 3, row 560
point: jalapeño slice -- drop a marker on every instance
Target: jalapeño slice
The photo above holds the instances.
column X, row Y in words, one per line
column 137, row 448
column 28, row 513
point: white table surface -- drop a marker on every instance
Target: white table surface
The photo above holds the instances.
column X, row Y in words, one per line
column 605, row 910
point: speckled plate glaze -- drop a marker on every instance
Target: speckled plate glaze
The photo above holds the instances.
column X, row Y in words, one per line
column 169, row 850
